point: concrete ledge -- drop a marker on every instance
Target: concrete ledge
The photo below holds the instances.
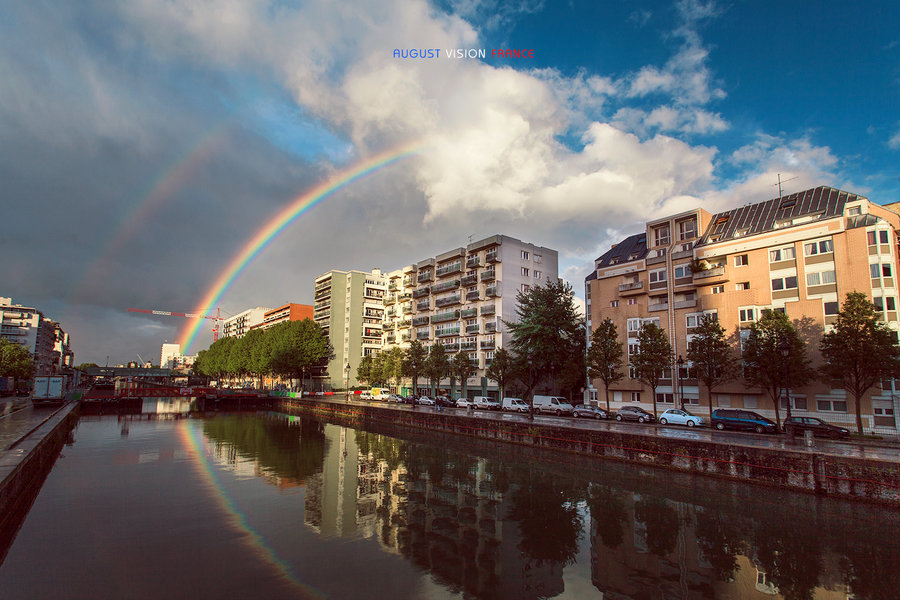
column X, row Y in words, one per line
column 841, row 477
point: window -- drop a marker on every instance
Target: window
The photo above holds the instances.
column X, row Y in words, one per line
column 831, row 405
column 786, row 253
column 878, row 301
column 886, row 270
column 820, row 247
column 751, row 402
column 797, row 402
column 870, row 237
column 874, row 270
column 661, row 236
column 662, row 398
column 632, row 301
column 682, row 271
column 526, row 288
column 854, row 210
column 692, row 320
column 723, row 400
column 656, row 276
column 718, row 289
column 537, row 274
column 634, row 324
column 746, row 314
column 890, row 303
column 740, row 260
column 538, row 259
column 635, row 396
column 687, row 229
column 614, row 303
column 525, row 271
column 524, row 254
column 743, row 285
column 633, row 348
column 831, row 308
column 883, row 237
column 784, row 283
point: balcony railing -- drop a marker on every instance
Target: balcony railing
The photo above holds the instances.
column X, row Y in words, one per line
column 473, row 295
column 421, row 292
column 450, row 315
column 468, row 346
column 390, row 339
column 425, row 276
column 488, row 310
column 635, row 285
column 451, row 347
column 492, row 291
column 409, row 281
column 423, row 304
column 468, row 312
column 487, row 344
column 490, row 327
column 468, row 280
column 404, row 297
column 324, row 284
column 389, row 299
column 711, row 272
column 404, row 323
column 492, row 256
column 444, row 286
column 423, row 335
column 488, row 275
column 657, row 307
column 447, row 332
column 449, row 300
column 392, row 286
column 472, row 328
column 445, row 270
column 473, row 261
column 404, row 337
column 418, row 321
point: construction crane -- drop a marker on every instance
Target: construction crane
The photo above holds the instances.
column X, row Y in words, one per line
column 217, row 318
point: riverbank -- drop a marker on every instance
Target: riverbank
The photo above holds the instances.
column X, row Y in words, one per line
column 871, row 480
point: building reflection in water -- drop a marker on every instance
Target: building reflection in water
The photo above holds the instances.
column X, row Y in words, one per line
column 493, row 528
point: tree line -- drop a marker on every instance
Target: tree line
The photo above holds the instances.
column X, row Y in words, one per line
column 290, row 349
column 15, row 361
column 771, row 354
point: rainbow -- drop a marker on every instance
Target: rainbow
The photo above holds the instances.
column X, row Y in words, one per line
column 279, row 222
column 190, row 435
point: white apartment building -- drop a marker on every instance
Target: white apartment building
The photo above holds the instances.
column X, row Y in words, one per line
column 43, row 338
column 241, row 323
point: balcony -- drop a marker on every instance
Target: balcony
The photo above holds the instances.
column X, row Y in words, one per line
column 405, row 337
column 492, row 291
column 487, row 344
column 654, row 260
column 409, row 281
column 425, row 276
column 631, row 289
column 323, row 285
column 472, row 328
column 446, row 332
column 421, row 292
column 392, row 286
column 404, row 297
column 423, row 304
column 445, row 285
column 492, row 256
column 371, row 332
column 423, row 335
column 322, row 305
column 473, row 295
column 468, row 346
column 473, row 261
column 488, row 275
column 490, row 327
column 389, row 299
column 488, row 310
column 450, row 315
column 468, row 312
column 448, row 300
column 451, row 347
column 682, row 254
column 686, row 304
column 404, row 323
column 445, row 270
column 468, row 280
column 657, row 307
column 321, row 314
column 418, row 321
column 390, row 339
column 710, row 276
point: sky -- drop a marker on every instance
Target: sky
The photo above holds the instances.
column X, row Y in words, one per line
column 144, row 143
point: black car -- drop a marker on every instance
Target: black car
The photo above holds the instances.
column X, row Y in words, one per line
column 591, row 412
column 444, row 401
column 747, row 420
column 634, row 413
column 819, row 427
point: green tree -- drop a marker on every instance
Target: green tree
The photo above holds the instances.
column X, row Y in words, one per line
column 364, row 369
column 711, row 356
column 860, row 350
column 571, row 378
column 544, row 333
column 86, row 366
column 416, row 359
column 377, row 371
column 764, row 365
column 653, row 356
column 393, row 364
column 503, row 370
column 462, row 368
column 297, row 346
column 605, row 357
column 15, row 361
column 437, row 366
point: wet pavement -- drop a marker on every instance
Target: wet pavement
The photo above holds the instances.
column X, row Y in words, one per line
column 18, row 416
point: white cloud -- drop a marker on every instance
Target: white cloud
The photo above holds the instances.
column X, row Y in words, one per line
column 894, row 142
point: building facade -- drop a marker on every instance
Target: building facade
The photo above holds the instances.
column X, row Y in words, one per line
column 461, row 297
column 349, row 308
column 288, row 312
column 798, row 254
column 244, row 321
column 44, row 339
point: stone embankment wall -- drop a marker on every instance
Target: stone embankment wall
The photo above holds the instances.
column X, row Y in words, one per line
column 837, row 476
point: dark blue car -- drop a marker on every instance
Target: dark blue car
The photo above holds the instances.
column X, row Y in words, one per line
column 747, row 420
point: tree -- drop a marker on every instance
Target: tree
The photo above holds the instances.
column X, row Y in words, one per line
column 605, row 357
column 764, row 365
column 416, row 358
column 298, row 346
column 15, row 361
column 437, row 366
column 711, row 356
column 502, row 369
column 571, row 377
column 376, row 372
column 860, row 351
column 86, row 366
column 653, row 356
column 364, row 369
column 544, row 333
column 462, row 368
column 393, row 364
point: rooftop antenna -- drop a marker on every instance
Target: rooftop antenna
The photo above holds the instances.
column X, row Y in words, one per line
column 780, row 181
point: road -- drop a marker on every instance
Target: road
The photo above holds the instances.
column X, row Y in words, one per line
column 18, row 416
column 861, row 449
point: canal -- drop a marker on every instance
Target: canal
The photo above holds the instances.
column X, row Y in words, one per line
column 270, row 505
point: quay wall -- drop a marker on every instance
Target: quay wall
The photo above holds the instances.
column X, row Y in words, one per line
column 855, row 478
column 25, row 464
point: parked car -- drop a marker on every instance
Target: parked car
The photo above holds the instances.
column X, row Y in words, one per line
column 515, row 405
column 591, row 412
column 425, row 401
column 634, row 413
column 486, row 403
column 677, row 416
column 464, row 403
column 817, row 426
column 365, row 396
column 747, row 420
column 394, row 398
column 444, row 401
column 556, row 405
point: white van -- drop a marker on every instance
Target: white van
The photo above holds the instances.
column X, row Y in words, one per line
column 515, row 405
column 485, row 403
column 554, row 405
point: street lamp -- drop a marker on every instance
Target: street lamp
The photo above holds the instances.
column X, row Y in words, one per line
column 347, row 379
column 530, row 368
column 680, row 363
column 415, row 372
column 784, row 346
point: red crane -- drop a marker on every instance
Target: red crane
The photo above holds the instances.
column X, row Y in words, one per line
column 217, row 318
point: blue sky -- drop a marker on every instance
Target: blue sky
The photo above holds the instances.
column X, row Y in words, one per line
column 629, row 110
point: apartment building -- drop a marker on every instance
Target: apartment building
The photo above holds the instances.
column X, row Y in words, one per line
column 799, row 254
column 244, row 321
column 459, row 299
column 43, row 338
column 348, row 306
column 287, row 312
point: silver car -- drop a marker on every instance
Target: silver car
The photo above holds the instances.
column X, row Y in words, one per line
column 676, row 416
